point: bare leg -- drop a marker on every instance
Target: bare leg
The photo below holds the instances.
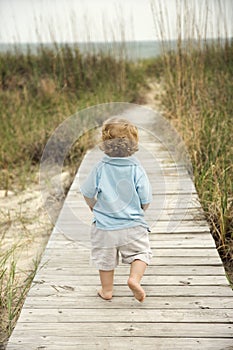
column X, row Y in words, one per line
column 106, row 278
column 137, row 270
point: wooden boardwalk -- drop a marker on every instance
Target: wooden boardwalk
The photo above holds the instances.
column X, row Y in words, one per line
column 189, row 303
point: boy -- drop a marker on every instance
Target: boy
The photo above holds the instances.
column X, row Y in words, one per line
column 118, row 192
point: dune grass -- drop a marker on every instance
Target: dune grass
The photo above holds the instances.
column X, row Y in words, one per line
column 38, row 91
column 198, row 86
column 13, row 288
column 198, row 92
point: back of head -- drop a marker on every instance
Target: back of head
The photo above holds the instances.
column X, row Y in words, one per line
column 119, row 137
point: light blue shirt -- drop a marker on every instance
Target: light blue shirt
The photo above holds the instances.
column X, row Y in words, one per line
column 120, row 186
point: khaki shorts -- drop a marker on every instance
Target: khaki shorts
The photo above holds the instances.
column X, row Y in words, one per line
column 106, row 257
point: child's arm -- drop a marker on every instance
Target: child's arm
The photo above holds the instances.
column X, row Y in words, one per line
column 143, row 188
column 89, row 188
column 90, row 202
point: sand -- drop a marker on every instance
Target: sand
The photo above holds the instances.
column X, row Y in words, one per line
column 24, row 223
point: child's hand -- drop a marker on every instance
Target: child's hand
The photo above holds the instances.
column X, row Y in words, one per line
column 145, row 206
column 90, row 202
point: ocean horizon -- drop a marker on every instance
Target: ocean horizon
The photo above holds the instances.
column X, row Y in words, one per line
column 131, row 50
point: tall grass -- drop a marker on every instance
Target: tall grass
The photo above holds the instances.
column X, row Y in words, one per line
column 198, row 84
column 13, row 289
column 38, row 91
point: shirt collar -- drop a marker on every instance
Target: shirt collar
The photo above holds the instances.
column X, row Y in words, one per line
column 123, row 161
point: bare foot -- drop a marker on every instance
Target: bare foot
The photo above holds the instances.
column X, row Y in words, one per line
column 105, row 295
column 137, row 290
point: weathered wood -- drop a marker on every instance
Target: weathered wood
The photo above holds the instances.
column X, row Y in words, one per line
column 72, row 260
column 124, row 329
column 147, row 280
column 165, row 302
column 125, row 343
column 123, row 270
column 189, row 303
column 73, row 291
column 137, row 315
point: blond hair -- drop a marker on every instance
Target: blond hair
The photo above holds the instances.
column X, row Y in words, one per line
column 119, row 137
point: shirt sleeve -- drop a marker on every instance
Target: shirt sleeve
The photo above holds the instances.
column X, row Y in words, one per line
column 90, row 186
column 143, row 187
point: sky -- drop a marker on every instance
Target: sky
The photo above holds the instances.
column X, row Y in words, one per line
column 24, row 21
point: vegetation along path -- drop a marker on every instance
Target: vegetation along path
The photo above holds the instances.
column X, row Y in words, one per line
column 189, row 303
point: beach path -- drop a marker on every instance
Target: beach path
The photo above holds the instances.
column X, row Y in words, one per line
column 189, row 302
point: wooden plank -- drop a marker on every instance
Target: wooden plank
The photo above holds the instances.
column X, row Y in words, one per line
column 124, row 270
column 131, row 315
column 71, row 260
column 123, row 329
column 181, row 227
column 158, row 302
column 147, row 280
column 125, row 343
column 75, row 291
